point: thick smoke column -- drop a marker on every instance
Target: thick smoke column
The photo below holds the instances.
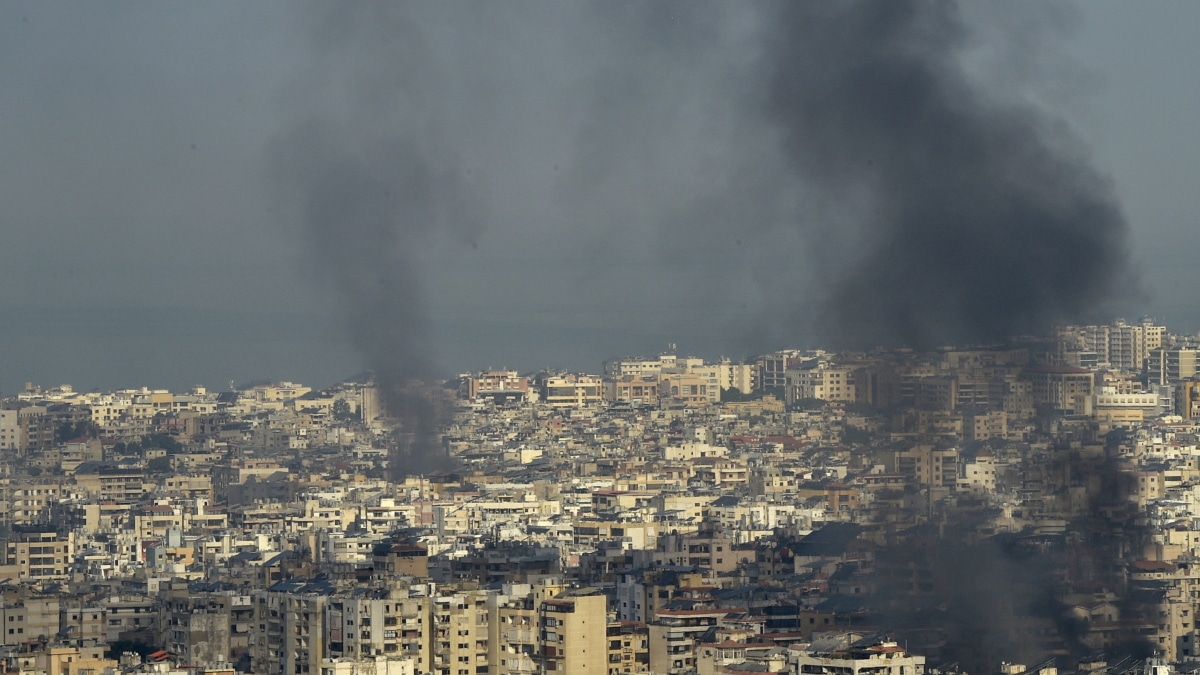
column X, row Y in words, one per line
column 946, row 215
column 369, row 185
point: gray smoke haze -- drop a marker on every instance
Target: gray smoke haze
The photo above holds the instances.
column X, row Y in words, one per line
column 369, row 182
column 948, row 214
column 639, row 159
column 746, row 177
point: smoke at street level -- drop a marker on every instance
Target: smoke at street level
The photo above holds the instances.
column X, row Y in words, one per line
column 949, row 215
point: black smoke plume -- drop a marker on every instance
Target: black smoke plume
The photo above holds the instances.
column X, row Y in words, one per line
column 945, row 214
column 369, row 181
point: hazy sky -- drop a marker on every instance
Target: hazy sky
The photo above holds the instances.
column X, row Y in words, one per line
column 568, row 167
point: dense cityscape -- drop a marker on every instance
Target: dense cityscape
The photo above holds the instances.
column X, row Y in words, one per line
column 956, row 460
column 1007, row 508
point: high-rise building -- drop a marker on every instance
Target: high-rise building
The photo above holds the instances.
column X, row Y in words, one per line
column 828, row 383
column 1171, row 364
column 573, row 629
column 1119, row 345
column 289, row 635
column 460, row 640
column 10, row 430
column 1063, row 387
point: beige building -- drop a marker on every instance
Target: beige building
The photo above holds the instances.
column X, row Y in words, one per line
column 1117, row 409
column 131, row 614
column 930, row 466
column 30, row 619
column 828, row 383
column 1167, row 365
column 881, row 657
column 25, row 502
column 979, row 474
column 61, row 660
column 460, row 640
column 383, row 623
column 673, row 635
column 38, row 553
column 377, row 665
column 113, row 483
column 688, row 389
column 981, row 426
column 514, row 642
column 83, row 620
column 289, row 633
column 628, row 648
column 631, row 388
column 10, row 430
column 513, row 630
column 1120, row 345
column 496, row 385
column 1187, row 399
column 570, row 391
column 574, row 631
column 1063, row 387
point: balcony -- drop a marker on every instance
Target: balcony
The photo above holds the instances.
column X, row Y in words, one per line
column 518, row 635
column 521, row 666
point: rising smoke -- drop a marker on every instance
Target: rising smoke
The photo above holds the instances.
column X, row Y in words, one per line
column 947, row 214
column 369, row 183
column 751, row 175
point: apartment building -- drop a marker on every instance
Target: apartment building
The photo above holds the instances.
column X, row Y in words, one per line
column 1167, row 365
column 1187, row 398
column 1119, row 345
column 106, row 481
column 500, row 386
column 929, row 465
column 27, row 502
column 673, row 634
column 289, row 628
column 365, row 623
column 637, row 389
column 378, row 665
column 513, row 630
column 39, row 552
column 29, row 619
column 772, row 368
column 628, row 648
column 1062, row 387
column 574, row 633
column 835, row 656
column 460, row 639
column 828, row 383
column 689, row 389
column 10, row 430
column 570, row 391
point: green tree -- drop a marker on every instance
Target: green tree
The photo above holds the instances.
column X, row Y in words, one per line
column 342, row 411
column 164, row 441
column 119, row 647
column 735, row 395
column 809, row 404
column 159, row 465
column 854, row 435
column 68, row 431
